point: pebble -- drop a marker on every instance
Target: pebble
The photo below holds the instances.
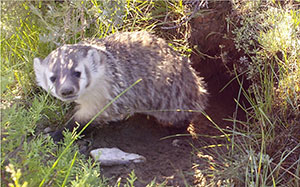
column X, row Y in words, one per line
column 47, row 130
column 115, row 156
column 175, row 143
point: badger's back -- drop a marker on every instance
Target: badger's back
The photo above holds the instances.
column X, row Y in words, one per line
column 169, row 85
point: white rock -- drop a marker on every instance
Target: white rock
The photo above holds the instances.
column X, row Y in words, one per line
column 175, row 143
column 115, row 156
column 47, row 130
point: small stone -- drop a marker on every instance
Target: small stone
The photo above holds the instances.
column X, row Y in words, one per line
column 83, row 149
column 47, row 130
column 83, row 145
column 115, row 156
column 175, row 143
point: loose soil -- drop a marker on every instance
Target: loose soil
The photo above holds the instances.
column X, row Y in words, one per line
column 170, row 152
column 170, row 158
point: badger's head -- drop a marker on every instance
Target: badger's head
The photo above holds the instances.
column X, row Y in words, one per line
column 69, row 71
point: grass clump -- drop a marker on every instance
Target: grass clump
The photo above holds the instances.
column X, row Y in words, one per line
column 28, row 156
column 264, row 149
column 268, row 35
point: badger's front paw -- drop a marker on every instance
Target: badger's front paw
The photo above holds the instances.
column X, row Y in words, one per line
column 57, row 136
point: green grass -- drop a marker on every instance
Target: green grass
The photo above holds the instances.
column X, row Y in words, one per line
column 264, row 149
column 259, row 151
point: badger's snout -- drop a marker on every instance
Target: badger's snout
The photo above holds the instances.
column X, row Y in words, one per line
column 67, row 92
column 67, row 86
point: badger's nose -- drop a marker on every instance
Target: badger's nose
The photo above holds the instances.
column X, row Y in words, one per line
column 65, row 92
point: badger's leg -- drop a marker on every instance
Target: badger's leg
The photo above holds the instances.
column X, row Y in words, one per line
column 57, row 136
column 71, row 126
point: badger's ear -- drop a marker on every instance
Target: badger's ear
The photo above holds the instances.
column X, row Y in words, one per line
column 39, row 70
column 95, row 59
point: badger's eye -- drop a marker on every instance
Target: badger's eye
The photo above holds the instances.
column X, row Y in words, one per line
column 77, row 74
column 52, row 79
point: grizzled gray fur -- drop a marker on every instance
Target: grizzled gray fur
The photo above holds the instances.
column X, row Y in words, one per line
column 92, row 73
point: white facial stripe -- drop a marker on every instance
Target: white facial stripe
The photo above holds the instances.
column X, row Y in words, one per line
column 80, row 68
column 50, row 87
column 62, row 58
column 45, row 79
column 70, row 64
column 63, row 79
column 83, row 78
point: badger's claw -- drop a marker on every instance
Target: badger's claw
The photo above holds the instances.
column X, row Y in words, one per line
column 57, row 136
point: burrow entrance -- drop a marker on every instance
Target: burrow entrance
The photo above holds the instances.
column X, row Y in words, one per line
column 169, row 152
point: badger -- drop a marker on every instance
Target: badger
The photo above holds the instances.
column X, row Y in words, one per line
column 93, row 72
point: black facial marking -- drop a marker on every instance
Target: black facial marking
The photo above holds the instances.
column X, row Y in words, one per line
column 77, row 74
column 52, row 79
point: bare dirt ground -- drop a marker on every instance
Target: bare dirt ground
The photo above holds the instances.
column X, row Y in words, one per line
column 170, row 160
